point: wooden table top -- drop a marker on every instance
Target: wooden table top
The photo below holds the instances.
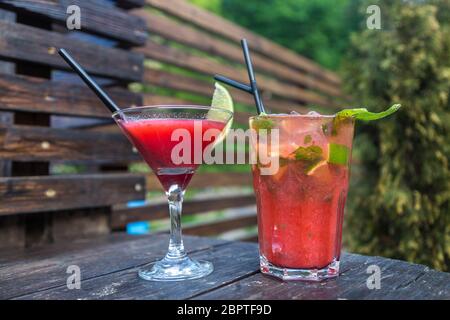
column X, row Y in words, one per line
column 109, row 267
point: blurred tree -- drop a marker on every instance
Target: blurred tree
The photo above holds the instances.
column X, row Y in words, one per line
column 317, row 29
column 403, row 209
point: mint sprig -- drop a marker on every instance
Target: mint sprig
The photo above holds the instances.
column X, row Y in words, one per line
column 365, row 115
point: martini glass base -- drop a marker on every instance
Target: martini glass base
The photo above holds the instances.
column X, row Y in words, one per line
column 169, row 269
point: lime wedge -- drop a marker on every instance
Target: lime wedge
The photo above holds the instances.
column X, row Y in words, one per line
column 338, row 154
column 311, row 169
column 221, row 100
column 311, row 156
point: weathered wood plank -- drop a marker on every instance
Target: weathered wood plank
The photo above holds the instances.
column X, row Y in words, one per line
column 182, row 33
column 96, row 260
column 351, row 284
column 37, row 227
column 96, row 16
column 179, row 82
column 209, row 180
column 19, row 42
column 127, row 4
column 22, row 93
column 126, row 285
column 209, row 21
column 159, row 210
column 12, row 257
column 7, row 118
column 69, row 225
column 215, row 228
column 153, row 100
column 12, row 232
column 156, row 51
column 109, row 265
column 32, row 143
column 49, row 193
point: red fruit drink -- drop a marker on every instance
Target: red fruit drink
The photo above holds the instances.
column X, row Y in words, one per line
column 301, row 206
column 156, row 138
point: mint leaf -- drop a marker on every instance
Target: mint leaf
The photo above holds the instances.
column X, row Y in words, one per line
column 310, row 153
column 262, row 122
column 310, row 156
column 364, row 114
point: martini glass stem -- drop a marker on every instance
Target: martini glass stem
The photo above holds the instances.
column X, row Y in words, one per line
column 176, row 247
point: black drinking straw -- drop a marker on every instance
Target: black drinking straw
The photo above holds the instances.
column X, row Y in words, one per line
column 253, row 87
column 89, row 81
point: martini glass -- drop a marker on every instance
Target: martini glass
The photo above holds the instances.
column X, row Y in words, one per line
column 171, row 139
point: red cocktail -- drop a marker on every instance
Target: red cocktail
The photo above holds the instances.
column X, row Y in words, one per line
column 301, row 206
column 153, row 139
column 172, row 140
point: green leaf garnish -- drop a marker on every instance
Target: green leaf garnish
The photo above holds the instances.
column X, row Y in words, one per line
column 262, row 122
column 310, row 156
column 338, row 154
column 364, row 114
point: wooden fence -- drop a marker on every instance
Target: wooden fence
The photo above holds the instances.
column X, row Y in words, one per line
column 50, row 123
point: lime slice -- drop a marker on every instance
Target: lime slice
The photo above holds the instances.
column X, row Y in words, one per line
column 313, row 168
column 338, row 154
column 311, row 156
column 221, row 100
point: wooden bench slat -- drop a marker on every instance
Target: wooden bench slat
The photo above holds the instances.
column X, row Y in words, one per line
column 127, row 4
column 50, row 193
column 107, row 281
column 170, row 29
column 159, row 210
column 20, row 42
column 22, row 93
column 33, row 143
column 240, row 117
column 179, row 82
column 96, row 17
column 156, row 51
column 39, row 269
column 221, row 226
column 109, row 271
column 208, row 180
column 225, row 28
column 400, row 281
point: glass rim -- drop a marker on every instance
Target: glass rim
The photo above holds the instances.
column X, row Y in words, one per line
column 170, row 106
column 280, row 115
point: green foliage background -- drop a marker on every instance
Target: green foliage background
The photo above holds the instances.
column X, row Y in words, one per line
column 402, row 208
column 318, row 29
column 399, row 203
